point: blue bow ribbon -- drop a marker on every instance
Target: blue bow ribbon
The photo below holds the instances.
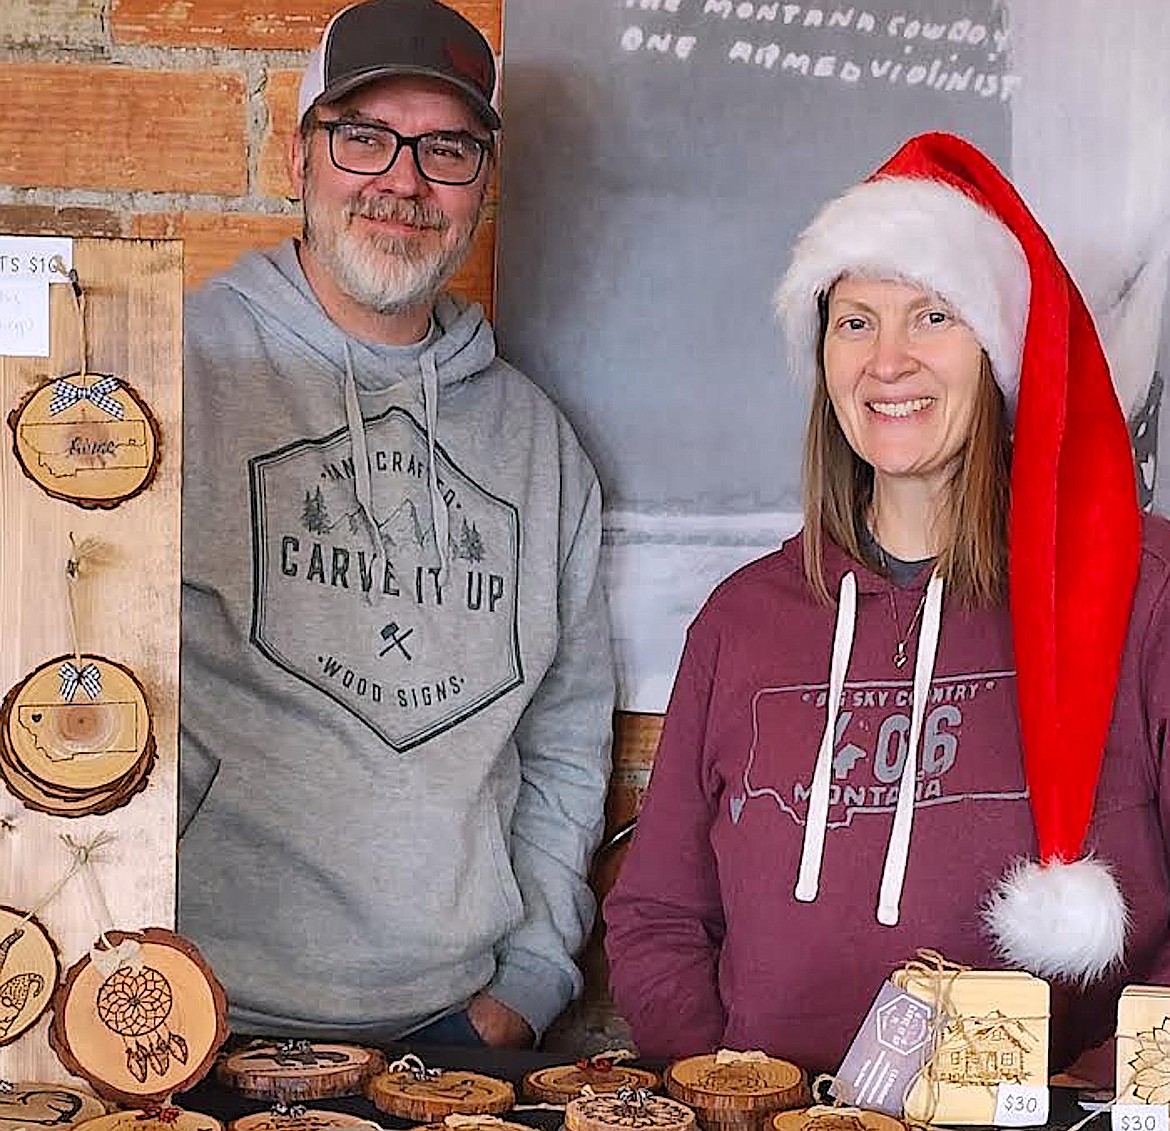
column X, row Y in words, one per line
column 66, row 394
column 72, row 677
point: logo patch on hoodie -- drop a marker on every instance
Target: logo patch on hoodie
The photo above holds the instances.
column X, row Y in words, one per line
column 371, row 615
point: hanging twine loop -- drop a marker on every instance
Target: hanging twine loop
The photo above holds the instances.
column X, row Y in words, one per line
column 106, row 956
column 732, row 1056
column 77, row 674
column 288, row 1111
column 458, row 1119
column 414, row 1065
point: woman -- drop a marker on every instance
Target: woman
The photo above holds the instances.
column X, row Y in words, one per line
column 804, row 836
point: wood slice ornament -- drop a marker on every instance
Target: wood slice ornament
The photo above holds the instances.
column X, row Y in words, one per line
column 823, row 1118
column 411, row 1090
column 736, row 1090
column 300, row 1119
column 29, row 972
column 629, row 1108
column 560, row 1083
column 298, row 1070
column 76, row 738
column 87, row 438
column 142, row 1020
column 26, row 1106
column 163, row 1118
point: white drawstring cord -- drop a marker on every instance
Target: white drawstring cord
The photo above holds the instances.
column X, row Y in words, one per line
column 898, row 850
column 809, row 877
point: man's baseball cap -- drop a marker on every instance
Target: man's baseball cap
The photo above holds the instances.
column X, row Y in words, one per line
column 380, row 38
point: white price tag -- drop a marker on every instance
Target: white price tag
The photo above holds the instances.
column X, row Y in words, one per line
column 1020, row 1105
column 1139, row 1117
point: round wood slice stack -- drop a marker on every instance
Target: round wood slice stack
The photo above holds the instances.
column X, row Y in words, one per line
column 299, row 1119
column 621, row 1111
column 158, row 1119
column 78, row 756
column 47, row 1105
column 427, row 1099
column 738, row 1095
column 835, row 1119
column 299, row 1070
column 563, row 1082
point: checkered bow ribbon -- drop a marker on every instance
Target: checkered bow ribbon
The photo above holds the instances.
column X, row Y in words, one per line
column 87, row 677
column 66, row 394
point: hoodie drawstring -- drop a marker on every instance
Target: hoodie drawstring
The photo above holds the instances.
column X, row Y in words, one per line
column 360, row 452
column 440, row 519
column 808, row 880
column 898, row 849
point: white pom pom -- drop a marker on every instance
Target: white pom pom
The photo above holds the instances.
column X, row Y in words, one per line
column 1062, row 920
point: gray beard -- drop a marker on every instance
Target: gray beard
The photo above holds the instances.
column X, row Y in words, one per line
column 386, row 274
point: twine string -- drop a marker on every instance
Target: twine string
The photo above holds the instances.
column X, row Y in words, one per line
column 82, row 852
column 414, row 1065
column 79, row 305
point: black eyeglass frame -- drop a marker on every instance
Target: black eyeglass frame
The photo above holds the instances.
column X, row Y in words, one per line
column 403, row 141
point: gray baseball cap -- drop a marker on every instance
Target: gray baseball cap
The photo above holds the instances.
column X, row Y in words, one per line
column 380, row 38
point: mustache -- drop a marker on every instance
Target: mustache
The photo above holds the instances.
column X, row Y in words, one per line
column 398, row 210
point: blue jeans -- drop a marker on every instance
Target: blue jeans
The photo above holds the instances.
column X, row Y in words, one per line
column 454, row 1029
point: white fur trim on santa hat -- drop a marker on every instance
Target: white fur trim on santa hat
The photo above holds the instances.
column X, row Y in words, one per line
column 923, row 232
column 1063, row 920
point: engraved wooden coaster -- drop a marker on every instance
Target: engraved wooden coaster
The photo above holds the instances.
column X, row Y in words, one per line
column 47, row 1105
column 88, row 439
column 312, row 1119
column 159, row 1119
column 29, row 973
column 835, row 1119
column 298, row 1070
column 431, row 1097
column 1143, row 1038
column 76, row 741
column 148, row 1028
column 736, row 1091
column 619, row 1111
column 563, row 1082
column 996, row 1031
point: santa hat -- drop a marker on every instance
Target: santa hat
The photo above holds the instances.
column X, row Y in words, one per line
column 940, row 215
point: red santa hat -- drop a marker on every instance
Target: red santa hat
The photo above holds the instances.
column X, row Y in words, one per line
column 940, row 215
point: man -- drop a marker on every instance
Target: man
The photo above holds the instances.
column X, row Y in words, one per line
column 396, row 677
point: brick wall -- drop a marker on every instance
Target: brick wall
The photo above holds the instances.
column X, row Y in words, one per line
column 167, row 118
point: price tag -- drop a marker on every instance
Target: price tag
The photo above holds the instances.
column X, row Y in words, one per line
column 1020, row 1105
column 1139, row 1117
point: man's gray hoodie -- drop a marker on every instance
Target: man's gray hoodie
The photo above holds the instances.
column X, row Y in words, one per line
column 397, row 686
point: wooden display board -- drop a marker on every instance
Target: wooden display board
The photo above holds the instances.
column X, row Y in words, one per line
column 128, row 611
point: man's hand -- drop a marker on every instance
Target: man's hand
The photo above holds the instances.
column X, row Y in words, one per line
column 499, row 1026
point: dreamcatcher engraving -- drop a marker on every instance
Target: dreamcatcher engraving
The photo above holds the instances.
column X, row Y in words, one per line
column 135, row 1003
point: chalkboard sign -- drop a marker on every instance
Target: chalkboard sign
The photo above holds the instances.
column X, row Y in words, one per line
column 660, row 157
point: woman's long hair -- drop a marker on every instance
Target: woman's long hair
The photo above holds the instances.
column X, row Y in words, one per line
column 972, row 525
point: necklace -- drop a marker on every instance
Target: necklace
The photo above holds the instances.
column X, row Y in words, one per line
column 900, row 656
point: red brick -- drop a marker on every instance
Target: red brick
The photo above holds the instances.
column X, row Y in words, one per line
column 59, row 220
column 266, row 25
column 74, row 126
column 213, row 241
column 280, row 96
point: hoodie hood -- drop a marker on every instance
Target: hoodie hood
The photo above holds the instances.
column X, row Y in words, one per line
column 274, row 286
column 461, row 345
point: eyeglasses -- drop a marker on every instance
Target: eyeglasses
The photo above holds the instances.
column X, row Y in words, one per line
column 445, row 158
